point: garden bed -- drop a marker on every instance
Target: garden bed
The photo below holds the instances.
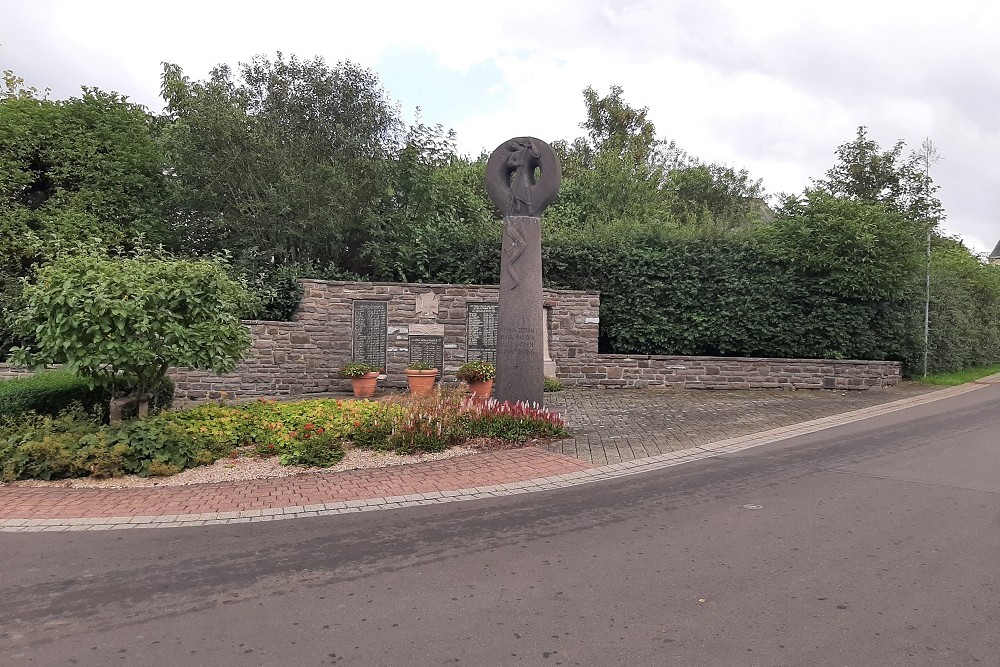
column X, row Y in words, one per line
column 263, row 438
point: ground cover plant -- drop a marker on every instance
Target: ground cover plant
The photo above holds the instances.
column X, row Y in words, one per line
column 317, row 432
column 960, row 377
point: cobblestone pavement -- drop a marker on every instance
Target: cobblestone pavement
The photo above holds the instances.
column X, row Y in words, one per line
column 612, row 426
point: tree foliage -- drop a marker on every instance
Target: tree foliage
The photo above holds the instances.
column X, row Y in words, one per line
column 128, row 320
column 286, row 162
column 300, row 169
column 901, row 183
column 436, row 197
column 622, row 171
column 71, row 171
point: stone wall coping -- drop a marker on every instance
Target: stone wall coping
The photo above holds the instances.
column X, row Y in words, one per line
column 317, row 281
column 272, row 322
column 766, row 360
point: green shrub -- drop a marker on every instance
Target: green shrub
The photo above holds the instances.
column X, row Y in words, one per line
column 75, row 444
column 153, row 443
column 45, row 447
column 553, row 384
column 132, row 317
column 46, row 393
column 312, row 447
column 52, row 392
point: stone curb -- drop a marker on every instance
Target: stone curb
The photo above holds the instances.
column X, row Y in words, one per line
column 613, row 471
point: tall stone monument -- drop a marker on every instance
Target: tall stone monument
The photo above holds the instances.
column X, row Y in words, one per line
column 522, row 178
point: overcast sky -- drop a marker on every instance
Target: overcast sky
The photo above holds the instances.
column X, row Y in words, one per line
column 768, row 85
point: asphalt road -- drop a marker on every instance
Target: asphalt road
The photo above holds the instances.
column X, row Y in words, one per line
column 875, row 543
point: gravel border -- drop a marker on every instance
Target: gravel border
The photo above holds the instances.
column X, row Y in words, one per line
column 245, row 468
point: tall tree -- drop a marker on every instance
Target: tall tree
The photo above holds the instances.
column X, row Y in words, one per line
column 621, row 170
column 866, row 172
column 84, row 169
column 437, row 201
column 288, row 162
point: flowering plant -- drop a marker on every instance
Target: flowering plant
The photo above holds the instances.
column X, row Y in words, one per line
column 420, row 366
column 356, row 369
column 476, row 371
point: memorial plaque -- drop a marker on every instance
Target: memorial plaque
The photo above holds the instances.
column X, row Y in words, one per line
column 481, row 332
column 428, row 349
column 370, row 319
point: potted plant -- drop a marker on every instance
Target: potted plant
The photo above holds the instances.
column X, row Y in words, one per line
column 420, row 376
column 363, row 377
column 479, row 376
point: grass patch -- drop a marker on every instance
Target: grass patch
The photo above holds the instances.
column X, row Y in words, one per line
column 959, row 377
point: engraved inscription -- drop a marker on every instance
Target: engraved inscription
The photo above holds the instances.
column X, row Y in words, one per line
column 481, row 327
column 517, row 341
column 369, row 344
column 428, row 349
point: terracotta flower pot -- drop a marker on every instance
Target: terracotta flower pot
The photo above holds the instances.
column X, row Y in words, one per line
column 364, row 386
column 421, row 382
column 481, row 389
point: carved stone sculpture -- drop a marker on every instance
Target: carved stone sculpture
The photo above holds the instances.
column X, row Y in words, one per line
column 523, row 176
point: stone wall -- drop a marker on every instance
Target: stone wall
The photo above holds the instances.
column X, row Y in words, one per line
column 8, row 372
column 303, row 356
column 641, row 371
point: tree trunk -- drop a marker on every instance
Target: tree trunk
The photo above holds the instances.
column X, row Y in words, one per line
column 118, row 405
column 115, row 409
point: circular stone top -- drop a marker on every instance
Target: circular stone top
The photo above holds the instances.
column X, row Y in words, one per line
column 511, row 178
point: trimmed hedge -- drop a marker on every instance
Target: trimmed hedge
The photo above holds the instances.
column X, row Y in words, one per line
column 46, row 393
column 52, row 392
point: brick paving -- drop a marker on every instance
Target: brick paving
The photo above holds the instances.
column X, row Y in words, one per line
column 622, row 431
column 479, row 470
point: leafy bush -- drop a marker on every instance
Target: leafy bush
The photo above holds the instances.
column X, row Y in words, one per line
column 153, row 444
column 553, row 384
column 128, row 320
column 47, row 447
column 51, row 392
column 74, row 443
column 46, row 393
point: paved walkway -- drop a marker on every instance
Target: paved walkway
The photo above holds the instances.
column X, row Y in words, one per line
column 611, row 426
column 620, row 432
